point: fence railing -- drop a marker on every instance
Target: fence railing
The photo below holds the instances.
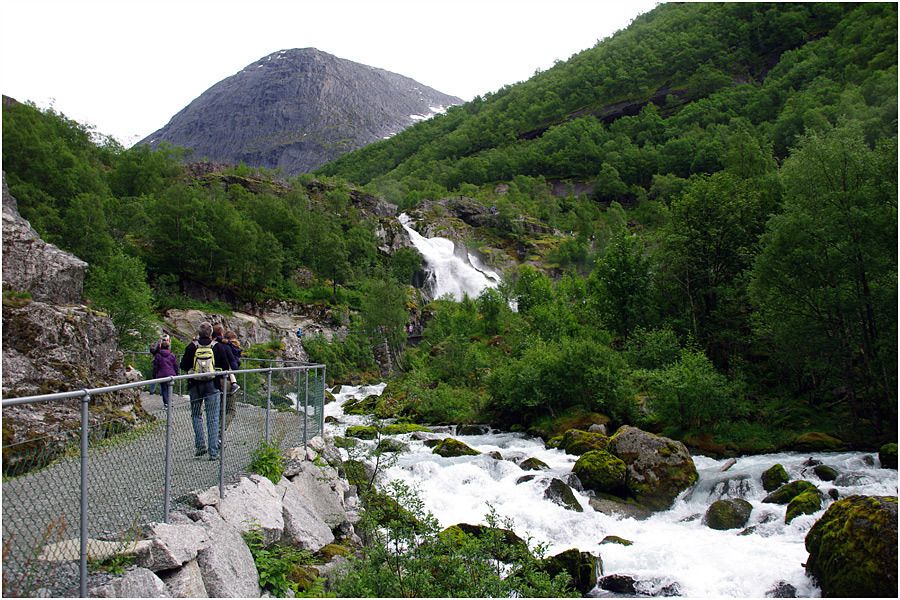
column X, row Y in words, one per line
column 71, row 496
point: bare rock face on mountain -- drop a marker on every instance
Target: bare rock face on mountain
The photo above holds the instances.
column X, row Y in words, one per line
column 298, row 109
column 51, row 343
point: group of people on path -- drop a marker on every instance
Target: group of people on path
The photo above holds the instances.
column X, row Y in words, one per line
column 213, row 350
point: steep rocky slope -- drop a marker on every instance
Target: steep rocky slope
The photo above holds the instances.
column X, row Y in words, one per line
column 298, row 109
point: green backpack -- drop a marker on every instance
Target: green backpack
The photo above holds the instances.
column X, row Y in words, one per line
column 205, row 362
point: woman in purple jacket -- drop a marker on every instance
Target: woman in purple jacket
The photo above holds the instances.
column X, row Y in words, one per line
column 165, row 365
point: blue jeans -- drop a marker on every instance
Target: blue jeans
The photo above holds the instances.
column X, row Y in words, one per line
column 205, row 392
column 165, row 389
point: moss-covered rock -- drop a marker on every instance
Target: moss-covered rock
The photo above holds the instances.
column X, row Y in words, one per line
column 401, row 428
column 449, row 447
column 391, row 445
column 363, row 432
column 806, row 503
column 729, row 513
column 774, row 477
column 657, row 468
column 575, row 441
column 582, row 567
column 360, row 406
column 614, row 539
column 815, row 441
column 825, row 473
column 853, row 548
column 358, row 473
column 789, row 491
column 342, row 442
column 502, row 544
column 887, row 455
column 329, row 551
column 600, row 471
column 533, row 464
column 560, row 493
column 304, row 576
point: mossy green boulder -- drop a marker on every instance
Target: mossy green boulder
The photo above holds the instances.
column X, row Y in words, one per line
column 728, row 513
column 789, row 491
column 887, row 455
column 658, row 469
column 401, row 428
column 576, row 441
column 363, row 432
column 600, row 471
column 614, row 539
column 533, row 464
column 582, row 567
column 807, row 503
column 816, row 441
column 825, row 473
column 502, row 544
column 774, row 477
column 853, row 548
column 391, row 445
column 449, row 447
column 560, row 493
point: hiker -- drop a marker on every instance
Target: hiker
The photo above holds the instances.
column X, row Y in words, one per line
column 164, row 365
column 205, row 356
column 232, row 340
column 154, row 348
column 233, row 364
column 299, row 332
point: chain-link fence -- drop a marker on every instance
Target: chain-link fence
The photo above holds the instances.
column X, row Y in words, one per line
column 77, row 496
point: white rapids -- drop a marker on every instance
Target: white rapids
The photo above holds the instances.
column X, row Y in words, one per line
column 671, row 547
column 451, row 269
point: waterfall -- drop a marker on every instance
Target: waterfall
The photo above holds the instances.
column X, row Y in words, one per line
column 451, row 268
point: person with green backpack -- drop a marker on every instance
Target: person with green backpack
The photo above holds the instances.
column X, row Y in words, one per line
column 205, row 357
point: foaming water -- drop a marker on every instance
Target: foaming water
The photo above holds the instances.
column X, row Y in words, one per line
column 451, row 270
column 671, row 547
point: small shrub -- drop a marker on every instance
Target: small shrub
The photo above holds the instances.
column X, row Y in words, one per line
column 277, row 565
column 268, row 462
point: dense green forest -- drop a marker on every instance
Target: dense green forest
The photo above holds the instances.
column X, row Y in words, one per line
column 731, row 279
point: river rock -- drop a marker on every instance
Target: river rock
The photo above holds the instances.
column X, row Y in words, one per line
column 449, row 447
column 560, row 493
column 583, row 567
column 887, row 456
column 614, row 539
column 302, row 528
column 186, row 582
column 504, row 544
column 323, row 492
column 137, row 582
column 658, row 469
column 600, row 471
column 610, row 505
column 576, row 441
column 170, row 546
column 473, row 429
column 774, row 477
column 254, row 503
column 815, row 441
column 391, row 445
column 806, row 503
column 730, row 513
column 782, row 589
column 789, row 491
column 533, row 464
column 853, row 548
column 618, row 584
column 226, row 565
column 825, row 473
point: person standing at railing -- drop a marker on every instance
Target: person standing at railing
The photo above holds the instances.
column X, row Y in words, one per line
column 205, row 356
column 234, row 364
column 164, row 365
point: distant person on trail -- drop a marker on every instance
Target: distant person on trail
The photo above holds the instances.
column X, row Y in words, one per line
column 204, row 357
column 299, row 332
column 236, row 350
column 154, row 348
column 233, row 364
column 164, row 365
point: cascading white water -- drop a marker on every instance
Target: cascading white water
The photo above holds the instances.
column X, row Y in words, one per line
column 671, row 547
column 451, row 269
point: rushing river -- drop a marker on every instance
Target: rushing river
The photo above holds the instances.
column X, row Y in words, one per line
column 671, row 547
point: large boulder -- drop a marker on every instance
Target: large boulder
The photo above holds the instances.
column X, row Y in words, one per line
column 186, row 582
column 853, row 548
column 657, row 468
column 774, row 477
column 226, row 565
column 600, row 471
column 254, row 503
column 887, row 456
column 449, row 447
column 134, row 583
column 575, row 441
column 815, row 441
column 171, row 545
column 807, row 503
column 560, row 493
column 302, row 528
column 583, row 567
column 323, row 492
column 789, row 491
column 730, row 513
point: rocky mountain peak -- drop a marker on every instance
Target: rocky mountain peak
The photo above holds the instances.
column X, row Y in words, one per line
column 297, row 109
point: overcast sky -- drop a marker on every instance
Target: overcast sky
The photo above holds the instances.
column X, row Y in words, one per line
column 127, row 66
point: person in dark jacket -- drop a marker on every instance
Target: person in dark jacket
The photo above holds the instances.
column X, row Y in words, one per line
column 164, row 365
column 205, row 394
column 233, row 364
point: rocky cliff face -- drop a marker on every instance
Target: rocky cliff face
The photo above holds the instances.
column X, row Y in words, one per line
column 298, row 109
column 51, row 343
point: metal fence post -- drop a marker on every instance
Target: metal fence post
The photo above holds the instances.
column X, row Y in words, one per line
column 305, row 410
column 167, row 483
column 321, row 398
column 85, row 432
column 268, row 401
column 222, row 401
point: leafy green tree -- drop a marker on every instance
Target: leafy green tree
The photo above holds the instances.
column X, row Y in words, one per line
column 621, row 286
column 825, row 281
column 119, row 287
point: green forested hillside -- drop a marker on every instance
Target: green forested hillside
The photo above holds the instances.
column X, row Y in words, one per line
column 731, row 278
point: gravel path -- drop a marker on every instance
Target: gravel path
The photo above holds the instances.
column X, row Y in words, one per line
column 125, row 485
